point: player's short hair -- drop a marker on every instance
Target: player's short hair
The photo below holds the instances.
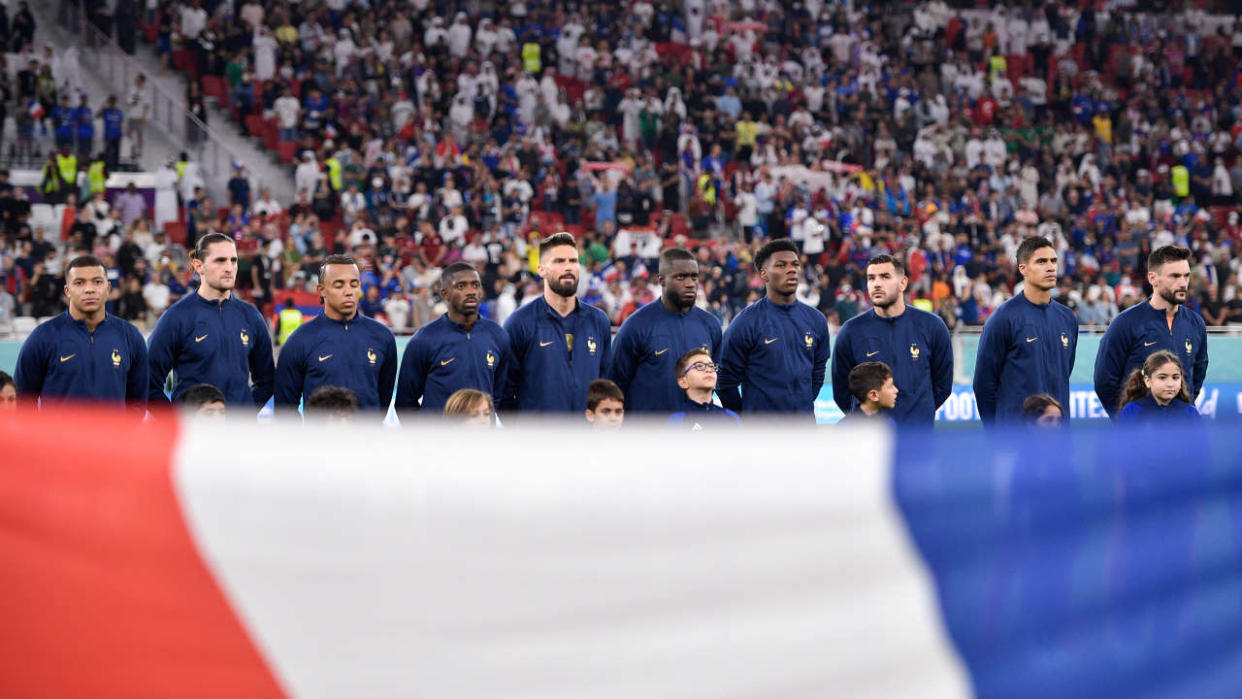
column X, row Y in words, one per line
column 1028, row 246
column 200, row 248
column 333, row 399
column 772, row 247
column 201, row 394
column 453, row 270
column 868, row 377
column 1034, row 406
column 6, row 380
column 601, row 390
column 84, row 261
column 556, row 240
column 1167, row 253
column 335, row 260
column 668, row 257
column 898, row 266
column 685, row 360
column 463, row 402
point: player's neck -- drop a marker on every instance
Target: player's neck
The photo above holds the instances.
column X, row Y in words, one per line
column 212, row 294
column 1157, row 302
column 869, row 409
column 1161, row 403
column 1037, row 296
column 702, row 396
column 561, row 304
column 782, row 299
column 91, row 320
column 894, row 310
column 339, row 317
column 671, row 307
column 466, row 320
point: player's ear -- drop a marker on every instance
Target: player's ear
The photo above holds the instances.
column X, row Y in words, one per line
column 589, row 415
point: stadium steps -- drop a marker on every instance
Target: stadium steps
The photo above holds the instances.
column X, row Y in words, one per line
column 263, row 168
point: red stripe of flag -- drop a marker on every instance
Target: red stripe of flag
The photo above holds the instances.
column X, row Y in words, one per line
column 103, row 593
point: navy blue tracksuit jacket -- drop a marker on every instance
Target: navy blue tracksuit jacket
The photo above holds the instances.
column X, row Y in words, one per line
column 778, row 355
column 1026, row 348
column 646, row 351
column 63, row 361
column 359, row 354
column 916, row 347
column 1137, row 332
column 555, row 359
column 444, row 357
column 699, row 416
column 223, row 343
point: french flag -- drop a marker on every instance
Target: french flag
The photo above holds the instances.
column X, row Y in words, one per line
column 174, row 558
column 35, row 109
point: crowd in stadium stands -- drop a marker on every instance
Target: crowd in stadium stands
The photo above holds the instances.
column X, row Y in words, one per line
column 421, row 134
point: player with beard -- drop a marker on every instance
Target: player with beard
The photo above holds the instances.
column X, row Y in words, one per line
column 559, row 345
column 458, row 350
column 1029, row 342
column 775, row 350
column 914, row 344
column 655, row 336
column 1162, row 322
column 213, row 337
column 340, row 347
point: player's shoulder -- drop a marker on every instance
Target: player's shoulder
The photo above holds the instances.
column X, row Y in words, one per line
column 856, row 323
column 47, row 331
column 524, row 314
column 375, row 327
column 126, row 328
column 705, row 318
column 594, row 313
column 812, row 315
column 491, row 327
column 748, row 315
column 1065, row 312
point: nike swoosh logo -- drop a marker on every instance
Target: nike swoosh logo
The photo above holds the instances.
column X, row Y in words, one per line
column 200, row 339
column 660, row 352
column 1031, row 339
column 448, row 361
column 1148, row 344
column 872, row 354
column 326, row 356
column 65, row 359
column 545, row 344
column 770, row 340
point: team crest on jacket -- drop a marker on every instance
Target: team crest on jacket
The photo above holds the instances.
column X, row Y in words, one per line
column 1064, row 340
column 914, row 352
column 1189, row 349
column 591, row 345
column 809, row 340
column 245, row 338
column 371, row 356
column 116, row 358
column 491, row 360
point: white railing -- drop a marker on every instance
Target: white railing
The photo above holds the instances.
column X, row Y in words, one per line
column 168, row 110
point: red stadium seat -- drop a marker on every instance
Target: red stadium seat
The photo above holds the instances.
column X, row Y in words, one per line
column 213, row 86
column 152, row 31
column 254, row 125
column 288, row 151
column 175, row 231
column 677, row 225
column 577, row 230
column 271, row 134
